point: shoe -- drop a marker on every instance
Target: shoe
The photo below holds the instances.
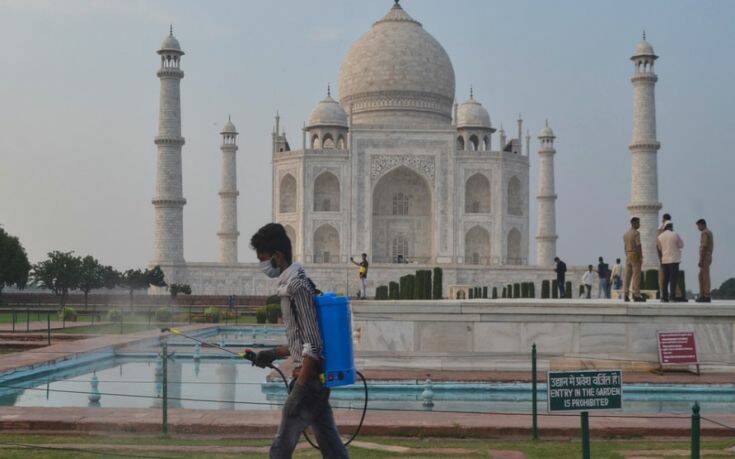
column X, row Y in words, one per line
column 664, row 300
column 639, row 299
column 626, row 299
column 703, row 299
column 681, row 300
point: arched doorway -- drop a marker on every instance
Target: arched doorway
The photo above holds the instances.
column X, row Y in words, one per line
column 477, row 199
column 477, row 246
column 326, row 193
column 287, row 194
column 514, row 247
column 402, row 213
column 326, row 244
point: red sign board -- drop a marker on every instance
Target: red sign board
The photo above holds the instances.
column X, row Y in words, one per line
column 677, row 348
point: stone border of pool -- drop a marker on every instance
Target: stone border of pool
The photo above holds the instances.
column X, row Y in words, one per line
column 387, row 423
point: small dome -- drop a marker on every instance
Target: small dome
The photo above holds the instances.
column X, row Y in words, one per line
column 643, row 48
column 472, row 114
column 229, row 128
column 328, row 112
column 546, row 131
column 170, row 43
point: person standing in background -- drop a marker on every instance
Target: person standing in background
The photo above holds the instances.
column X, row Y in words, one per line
column 362, row 273
column 664, row 220
column 669, row 245
column 587, row 279
column 706, row 247
column 616, row 276
column 603, row 273
column 633, row 260
column 561, row 274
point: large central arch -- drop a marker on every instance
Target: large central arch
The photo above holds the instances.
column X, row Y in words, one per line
column 402, row 217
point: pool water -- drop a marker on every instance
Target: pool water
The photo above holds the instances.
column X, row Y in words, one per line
column 208, row 378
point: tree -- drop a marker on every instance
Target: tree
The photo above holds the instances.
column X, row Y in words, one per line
column 91, row 276
column 60, row 273
column 110, row 277
column 135, row 279
column 175, row 289
column 726, row 290
column 14, row 264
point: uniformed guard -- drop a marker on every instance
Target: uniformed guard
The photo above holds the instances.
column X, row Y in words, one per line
column 633, row 260
column 706, row 246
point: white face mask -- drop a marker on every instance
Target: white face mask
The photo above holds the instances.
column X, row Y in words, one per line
column 269, row 270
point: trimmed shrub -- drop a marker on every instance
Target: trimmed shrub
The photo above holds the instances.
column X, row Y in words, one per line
column 273, row 299
column 568, row 290
column 531, row 290
column 495, row 293
column 554, row 289
column 427, row 284
column 524, row 290
column 505, row 293
column 516, row 290
column 410, row 286
column 472, row 294
column 163, row 314
column 510, row 291
column 213, row 315
column 261, row 316
column 381, row 293
column 114, row 315
column 418, row 286
column 484, row 292
column 393, row 291
column 437, row 283
column 403, row 291
column 545, row 289
column 650, row 280
column 273, row 313
column 68, row 314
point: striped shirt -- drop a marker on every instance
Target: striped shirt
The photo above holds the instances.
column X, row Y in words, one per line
column 299, row 314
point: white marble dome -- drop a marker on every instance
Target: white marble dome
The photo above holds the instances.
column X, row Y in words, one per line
column 170, row 43
column 328, row 112
column 472, row 114
column 397, row 68
column 546, row 131
column 229, row 128
column 643, row 48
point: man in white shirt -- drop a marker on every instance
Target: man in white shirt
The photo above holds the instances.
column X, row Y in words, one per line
column 587, row 279
column 669, row 245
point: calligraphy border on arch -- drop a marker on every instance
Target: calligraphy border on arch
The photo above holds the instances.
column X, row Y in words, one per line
column 381, row 164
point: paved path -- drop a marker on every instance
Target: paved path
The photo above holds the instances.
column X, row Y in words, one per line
column 382, row 423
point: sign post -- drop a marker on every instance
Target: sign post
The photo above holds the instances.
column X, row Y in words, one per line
column 677, row 347
column 583, row 391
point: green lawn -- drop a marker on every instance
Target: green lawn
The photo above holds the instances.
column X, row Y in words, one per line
column 431, row 447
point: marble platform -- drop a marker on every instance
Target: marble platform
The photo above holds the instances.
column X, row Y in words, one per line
column 498, row 334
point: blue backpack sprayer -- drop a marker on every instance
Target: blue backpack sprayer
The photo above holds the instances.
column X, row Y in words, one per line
column 335, row 326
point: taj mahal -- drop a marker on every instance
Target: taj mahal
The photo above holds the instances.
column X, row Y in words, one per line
column 393, row 165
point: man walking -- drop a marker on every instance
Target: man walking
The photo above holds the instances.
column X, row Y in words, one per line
column 587, row 279
column 670, row 244
column 706, row 246
column 308, row 402
column 561, row 274
column 616, row 275
column 633, row 260
column 362, row 273
column 664, row 220
column 603, row 272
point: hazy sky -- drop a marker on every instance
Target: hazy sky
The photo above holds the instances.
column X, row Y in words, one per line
column 79, row 99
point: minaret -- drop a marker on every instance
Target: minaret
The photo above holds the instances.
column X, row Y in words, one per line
column 546, row 236
column 169, row 200
column 644, row 149
column 228, row 196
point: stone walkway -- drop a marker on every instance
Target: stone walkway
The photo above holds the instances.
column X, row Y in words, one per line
column 380, row 423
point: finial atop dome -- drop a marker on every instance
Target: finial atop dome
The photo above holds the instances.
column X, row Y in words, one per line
column 546, row 131
column 329, row 91
column 171, row 30
column 472, row 93
column 644, row 34
column 229, row 128
column 397, row 13
column 170, row 43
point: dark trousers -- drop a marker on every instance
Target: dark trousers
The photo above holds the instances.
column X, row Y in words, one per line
column 588, row 289
column 560, row 281
column 671, row 275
